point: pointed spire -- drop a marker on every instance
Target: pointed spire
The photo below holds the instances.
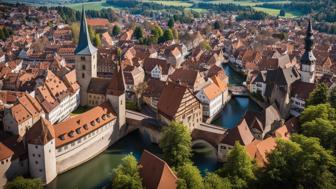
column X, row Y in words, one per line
column 308, row 56
column 309, row 40
column 84, row 46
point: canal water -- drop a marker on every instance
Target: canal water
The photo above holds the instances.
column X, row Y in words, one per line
column 235, row 109
column 98, row 172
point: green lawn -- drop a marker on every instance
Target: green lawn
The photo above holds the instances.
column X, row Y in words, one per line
column 275, row 12
column 91, row 5
column 102, row 4
column 171, row 3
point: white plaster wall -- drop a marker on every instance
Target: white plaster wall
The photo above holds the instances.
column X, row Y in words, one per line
column 80, row 152
column 42, row 161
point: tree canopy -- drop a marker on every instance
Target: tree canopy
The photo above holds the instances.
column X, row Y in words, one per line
column 324, row 111
column 189, row 177
column 239, row 167
column 23, row 183
column 300, row 163
column 319, row 95
column 176, row 144
column 138, row 33
column 116, row 30
column 126, row 175
column 213, row 181
column 171, row 23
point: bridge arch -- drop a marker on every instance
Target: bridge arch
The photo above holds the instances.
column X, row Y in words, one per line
column 203, row 143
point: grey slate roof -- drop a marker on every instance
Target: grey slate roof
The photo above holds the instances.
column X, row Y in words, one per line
column 283, row 77
column 308, row 57
column 84, row 46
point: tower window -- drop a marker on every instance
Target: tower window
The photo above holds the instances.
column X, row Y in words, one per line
column 83, row 75
column 83, row 58
column 83, row 67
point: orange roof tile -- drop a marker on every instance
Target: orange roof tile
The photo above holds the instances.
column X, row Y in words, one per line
column 83, row 124
column 98, row 22
column 156, row 173
column 212, row 91
column 5, row 152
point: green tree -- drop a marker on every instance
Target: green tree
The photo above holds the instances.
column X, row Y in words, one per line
column 176, row 144
column 96, row 40
column 323, row 111
column 116, row 30
column 171, row 23
column 2, row 35
column 205, row 45
column 319, row 95
column 213, row 181
column 119, row 54
column 175, row 33
column 300, row 163
column 189, row 177
column 23, row 183
column 75, row 27
column 332, row 97
column 157, row 31
column 92, row 33
column 217, row 25
column 138, row 32
column 127, row 174
column 323, row 129
column 139, row 90
column 6, row 32
column 239, row 167
column 167, row 35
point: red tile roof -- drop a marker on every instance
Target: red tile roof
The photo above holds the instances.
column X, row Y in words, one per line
column 83, row 124
column 156, row 173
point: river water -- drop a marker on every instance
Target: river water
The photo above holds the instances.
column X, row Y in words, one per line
column 97, row 173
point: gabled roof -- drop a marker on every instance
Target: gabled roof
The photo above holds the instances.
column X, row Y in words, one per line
column 241, row 133
column 302, row 89
column 41, row 132
column 212, row 91
column 156, row 173
column 185, row 77
column 117, row 84
column 170, row 99
column 84, row 46
column 258, row 150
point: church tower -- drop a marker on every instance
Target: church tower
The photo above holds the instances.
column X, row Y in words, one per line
column 115, row 94
column 85, row 60
column 308, row 60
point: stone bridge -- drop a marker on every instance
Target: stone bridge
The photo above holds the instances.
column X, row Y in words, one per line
column 208, row 134
column 239, row 91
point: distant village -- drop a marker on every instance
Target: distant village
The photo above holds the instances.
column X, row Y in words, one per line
column 64, row 101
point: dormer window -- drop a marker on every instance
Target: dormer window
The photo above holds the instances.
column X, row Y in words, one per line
column 71, row 134
column 78, row 131
column 98, row 120
column 93, row 123
column 61, row 137
column 104, row 117
column 85, row 127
